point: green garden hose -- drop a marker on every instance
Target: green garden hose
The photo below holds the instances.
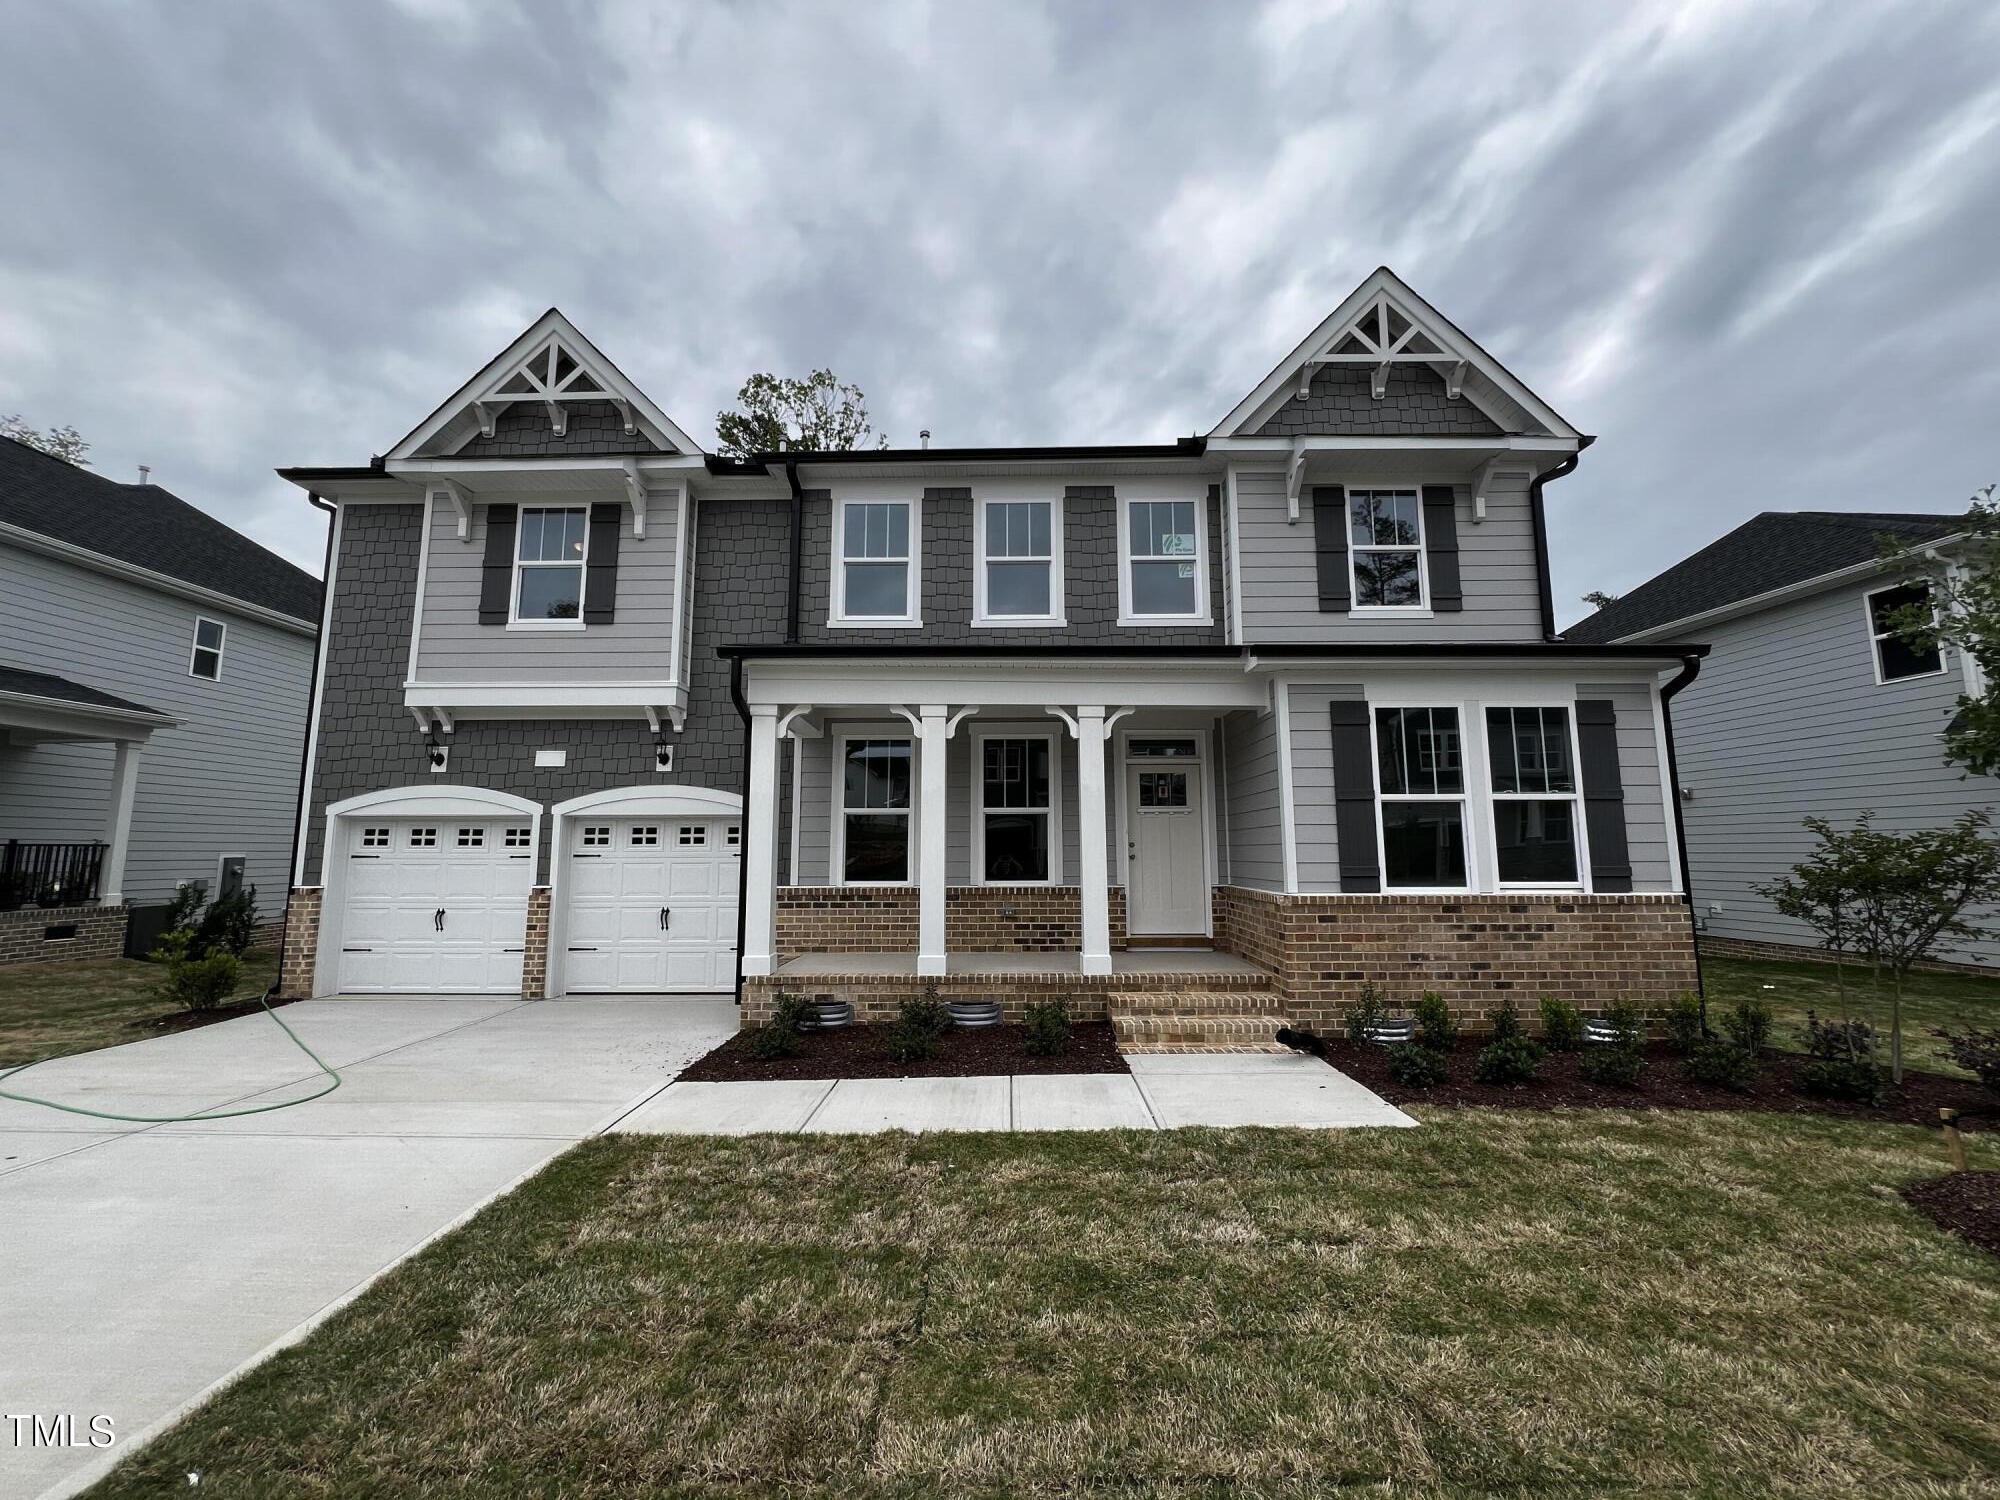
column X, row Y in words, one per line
column 217, row 1114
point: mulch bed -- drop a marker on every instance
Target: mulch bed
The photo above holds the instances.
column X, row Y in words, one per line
column 1966, row 1203
column 190, row 1020
column 863, row 1052
column 1663, row 1086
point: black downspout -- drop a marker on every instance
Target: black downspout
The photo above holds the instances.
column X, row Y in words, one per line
column 1541, row 520
column 1690, row 669
column 749, row 812
column 305, row 750
column 798, row 554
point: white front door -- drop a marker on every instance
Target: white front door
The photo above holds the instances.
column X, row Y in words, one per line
column 650, row 905
column 1166, row 874
column 434, row 905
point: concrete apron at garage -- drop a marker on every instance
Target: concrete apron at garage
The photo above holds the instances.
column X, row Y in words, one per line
column 140, row 1265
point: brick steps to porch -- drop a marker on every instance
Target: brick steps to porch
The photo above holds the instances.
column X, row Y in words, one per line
column 1195, row 1021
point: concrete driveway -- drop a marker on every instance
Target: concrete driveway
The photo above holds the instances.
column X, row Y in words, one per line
column 139, row 1265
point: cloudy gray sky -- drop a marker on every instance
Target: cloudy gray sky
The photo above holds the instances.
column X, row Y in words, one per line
column 1751, row 246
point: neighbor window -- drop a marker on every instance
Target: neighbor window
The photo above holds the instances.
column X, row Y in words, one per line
column 1534, row 795
column 1421, row 780
column 548, row 571
column 875, row 811
column 875, row 561
column 1895, row 658
column 1019, row 578
column 206, row 659
column 1164, row 563
column 1386, row 548
column 1016, row 808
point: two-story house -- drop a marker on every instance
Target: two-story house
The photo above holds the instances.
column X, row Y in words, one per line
column 154, row 675
column 1280, row 706
column 1809, row 706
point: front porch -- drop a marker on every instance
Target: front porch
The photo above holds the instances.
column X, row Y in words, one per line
column 1126, row 965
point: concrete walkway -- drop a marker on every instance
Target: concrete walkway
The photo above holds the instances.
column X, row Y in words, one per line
column 141, row 1265
column 1161, row 1093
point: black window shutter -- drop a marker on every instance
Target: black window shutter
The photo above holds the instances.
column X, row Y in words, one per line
column 1603, row 795
column 496, row 576
column 1354, row 797
column 600, row 581
column 1336, row 595
column 1441, row 543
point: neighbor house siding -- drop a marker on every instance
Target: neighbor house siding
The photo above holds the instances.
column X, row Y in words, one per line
column 222, row 782
column 1787, row 721
column 1254, row 808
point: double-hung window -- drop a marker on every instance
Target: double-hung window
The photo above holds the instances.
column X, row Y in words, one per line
column 1531, row 755
column 1420, row 786
column 1019, row 577
column 876, row 577
column 1386, row 548
column 548, row 564
column 875, row 811
column 205, row 660
column 1016, row 809
column 1896, row 658
column 1163, row 561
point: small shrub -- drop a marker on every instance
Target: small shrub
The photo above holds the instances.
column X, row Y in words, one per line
column 1562, row 1025
column 779, row 1036
column 1415, row 1066
column 1048, row 1028
column 919, row 1024
column 195, row 981
column 1721, row 1064
column 1368, row 1009
column 1976, row 1051
column 1844, row 1078
column 1626, row 1020
column 1846, row 1041
column 1748, row 1025
column 228, row 925
column 1684, row 1028
column 1511, row 1059
column 1505, row 1021
column 1613, row 1064
column 1437, row 1027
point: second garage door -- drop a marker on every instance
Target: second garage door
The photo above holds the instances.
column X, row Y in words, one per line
column 650, row 905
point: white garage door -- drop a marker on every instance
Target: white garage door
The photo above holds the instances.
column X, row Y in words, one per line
column 434, row 906
column 650, row 905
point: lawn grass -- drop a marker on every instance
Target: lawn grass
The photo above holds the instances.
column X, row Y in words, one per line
column 1531, row 1303
column 47, row 1010
column 1791, row 989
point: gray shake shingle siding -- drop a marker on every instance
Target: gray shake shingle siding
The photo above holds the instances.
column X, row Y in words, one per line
column 593, row 428
column 1341, row 402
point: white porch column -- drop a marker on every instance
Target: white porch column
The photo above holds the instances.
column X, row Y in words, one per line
column 931, row 821
column 1092, row 876
column 760, row 843
column 118, row 822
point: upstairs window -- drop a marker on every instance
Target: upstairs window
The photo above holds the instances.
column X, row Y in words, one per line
column 548, row 568
column 205, row 660
column 1019, row 579
column 1163, row 561
column 875, row 811
column 1386, row 548
column 1895, row 658
column 875, row 582
column 1420, row 781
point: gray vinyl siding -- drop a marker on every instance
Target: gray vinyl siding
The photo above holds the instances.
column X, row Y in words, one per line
column 1253, row 803
column 1785, row 721
column 1279, row 569
column 635, row 647
column 1316, row 842
column 1647, row 834
column 224, row 781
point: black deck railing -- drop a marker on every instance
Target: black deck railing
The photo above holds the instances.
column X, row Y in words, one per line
column 48, row 874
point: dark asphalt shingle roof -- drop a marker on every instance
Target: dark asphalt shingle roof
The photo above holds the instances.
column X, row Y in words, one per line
column 1772, row 551
column 149, row 527
column 46, row 685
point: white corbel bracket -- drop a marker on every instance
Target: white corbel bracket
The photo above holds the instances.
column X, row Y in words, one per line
column 1454, row 382
column 1295, row 473
column 677, row 717
column 800, row 724
column 1068, row 719
column 461, row 501
column 626, row 415
column 1378, row 383
column 558, row 418
column 487, row 412
column 635, row 492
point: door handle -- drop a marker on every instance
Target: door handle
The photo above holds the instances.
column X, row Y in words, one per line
column 666, row 918
column 438, row 919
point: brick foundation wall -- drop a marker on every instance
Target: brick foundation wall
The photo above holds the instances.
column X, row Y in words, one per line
column 1722, row 947
column 977, row 919
column 535, row 949
column 100, row 933
column 875, row 997
column 301, row 942
column 845, row 919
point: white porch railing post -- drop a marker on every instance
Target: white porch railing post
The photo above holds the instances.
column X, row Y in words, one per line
column 931, row 820
column 1093, row 878
column 760, row 843
column 118, row 822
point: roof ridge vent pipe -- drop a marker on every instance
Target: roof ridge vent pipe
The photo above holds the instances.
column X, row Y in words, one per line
column 924, row 439
column 145, row 474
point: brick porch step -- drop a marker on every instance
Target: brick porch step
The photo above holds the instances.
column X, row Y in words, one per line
column 1203, row 1002
column 1194, row 1031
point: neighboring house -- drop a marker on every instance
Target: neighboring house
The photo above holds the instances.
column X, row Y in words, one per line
column 155, row 668
column 1806, row 706
column 1290, row 692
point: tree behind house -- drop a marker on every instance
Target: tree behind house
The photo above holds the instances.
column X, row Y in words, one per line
column 1963, row 612
column 780, row 414
column 65, row 443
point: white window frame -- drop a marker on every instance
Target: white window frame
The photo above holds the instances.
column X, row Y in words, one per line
column 982, row 613
column 1877, row 637
column 1201, row 614
column 1422, row 608
column 912, row 616
column 582, row 565
column 837, row 831
column 1469, row 794
column 976, row 799
column 195, row 647
column 1574, row 797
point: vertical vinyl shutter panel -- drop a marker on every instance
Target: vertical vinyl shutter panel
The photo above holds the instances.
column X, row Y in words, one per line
column 1354, row 796
column 1441, row 545
column 1603, row 795
column 600, row 574
column 1336, row 595
column 496, row 574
